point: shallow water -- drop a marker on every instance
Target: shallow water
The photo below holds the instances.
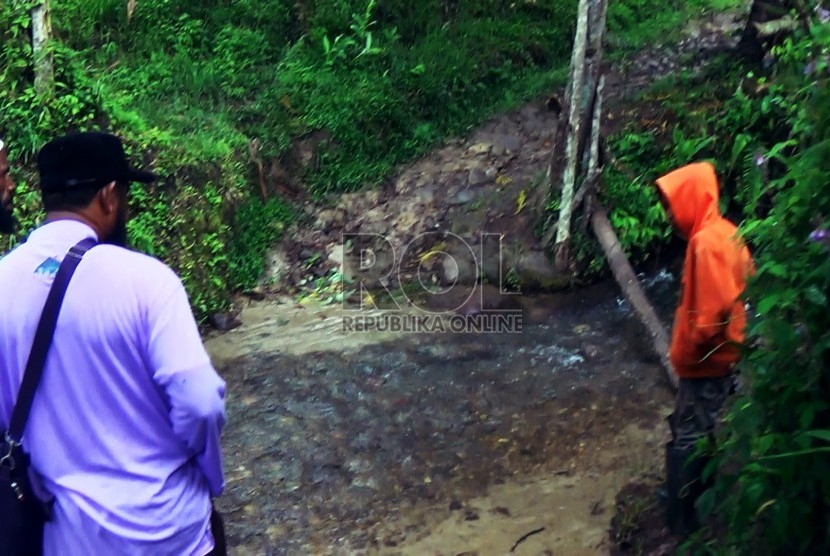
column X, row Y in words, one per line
column 335, row 439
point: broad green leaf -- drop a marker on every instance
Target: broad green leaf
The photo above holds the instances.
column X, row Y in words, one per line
column 767, row 303
column 821, row 434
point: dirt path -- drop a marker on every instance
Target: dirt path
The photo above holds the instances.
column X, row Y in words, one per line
column 568, row 511
column 483, row 183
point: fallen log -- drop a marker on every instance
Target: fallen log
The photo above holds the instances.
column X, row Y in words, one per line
column 630, row 285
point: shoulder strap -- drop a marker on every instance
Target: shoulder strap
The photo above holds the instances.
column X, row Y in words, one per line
column 43, row 339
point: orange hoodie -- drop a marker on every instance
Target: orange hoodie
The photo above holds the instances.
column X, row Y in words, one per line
column 710, row 320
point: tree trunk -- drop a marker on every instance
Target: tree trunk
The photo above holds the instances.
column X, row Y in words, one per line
column 41, row 36
column 592, row 176
column 596, row 32
column 572, row 148
column 630, row 286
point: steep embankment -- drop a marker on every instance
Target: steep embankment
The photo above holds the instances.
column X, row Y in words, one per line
column 490, row 182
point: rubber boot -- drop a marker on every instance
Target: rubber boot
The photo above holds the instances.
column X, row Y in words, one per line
column 683, row 487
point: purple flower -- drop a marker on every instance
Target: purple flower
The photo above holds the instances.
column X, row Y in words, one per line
column 760, row 160
column 810, row 68
column 820, row 234
column 823, row 15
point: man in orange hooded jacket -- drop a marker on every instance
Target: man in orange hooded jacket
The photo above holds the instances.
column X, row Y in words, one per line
column 708, row 327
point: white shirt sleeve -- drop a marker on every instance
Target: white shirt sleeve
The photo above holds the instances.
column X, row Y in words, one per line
column 195, row 392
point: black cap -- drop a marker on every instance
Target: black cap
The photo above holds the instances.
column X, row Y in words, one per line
column 85, row 160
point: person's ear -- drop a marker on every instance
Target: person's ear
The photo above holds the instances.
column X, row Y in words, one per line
column 108, row 198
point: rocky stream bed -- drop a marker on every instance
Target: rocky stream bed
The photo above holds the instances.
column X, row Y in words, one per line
column 342, row 442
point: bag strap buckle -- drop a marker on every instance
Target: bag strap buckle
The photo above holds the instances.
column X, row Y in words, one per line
column 8, row 459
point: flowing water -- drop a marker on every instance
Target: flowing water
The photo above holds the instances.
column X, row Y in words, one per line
column 342, row 442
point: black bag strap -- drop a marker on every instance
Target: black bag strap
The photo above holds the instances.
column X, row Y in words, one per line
column 43, row 340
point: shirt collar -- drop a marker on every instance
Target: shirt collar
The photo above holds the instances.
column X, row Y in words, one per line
column 73, row 230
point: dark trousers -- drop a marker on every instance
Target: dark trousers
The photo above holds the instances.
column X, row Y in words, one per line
column 217, row 528
column 697, row 408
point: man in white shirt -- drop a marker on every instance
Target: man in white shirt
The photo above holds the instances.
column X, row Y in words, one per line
column 125, row 425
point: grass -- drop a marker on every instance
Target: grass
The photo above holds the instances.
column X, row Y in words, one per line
column 639, row 23
column 188, row 85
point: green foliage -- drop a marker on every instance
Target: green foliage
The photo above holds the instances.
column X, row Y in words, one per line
column 257, row 226
column 384, row 101
column 707, row 121
column 774, row 489
column 332, row 287
column 634, row 212
column 769, row 138
column 30, row 120
column 633, row 24
column 188, row 85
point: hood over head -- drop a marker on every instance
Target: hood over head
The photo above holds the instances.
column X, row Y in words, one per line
column 692, row 195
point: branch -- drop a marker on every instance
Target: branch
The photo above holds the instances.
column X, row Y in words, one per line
column 593, row 158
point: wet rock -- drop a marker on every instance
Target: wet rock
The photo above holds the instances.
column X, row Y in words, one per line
column 404, row 184
column 225, row 321
column 592, row 351
column 506, row 144
column 256, row 293
column 335, row 253
column 477, row 176
column 277, row 268
column 459, row 266
column 462, row 197
column 581, row 329
column 536, row 272
column 330, row 218
column 425, row 195
column 374, row 222
column 479, row 149
column 409, row 218
column 529, row 112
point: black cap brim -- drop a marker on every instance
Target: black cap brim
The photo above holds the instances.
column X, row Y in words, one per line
column 142, row 176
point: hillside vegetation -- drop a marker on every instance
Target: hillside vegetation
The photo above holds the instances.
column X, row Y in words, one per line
column 204, row 91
